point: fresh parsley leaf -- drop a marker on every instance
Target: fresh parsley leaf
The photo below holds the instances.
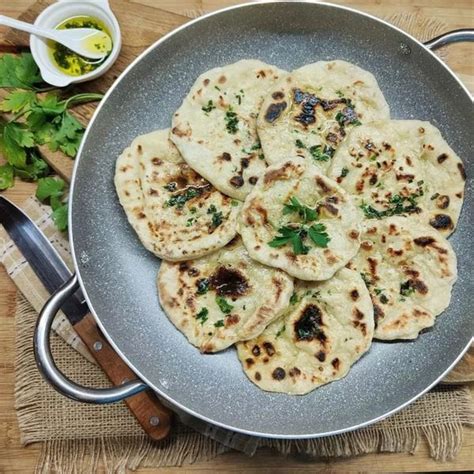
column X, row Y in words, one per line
column 317, row 233
column 19, row 71
column 49, row 188
column 60, row 215
column 6, row 176
column 219, row 324
column 35, row 167
column 68, row 136
column 19, row 133
column 306, row 213
column 202, row 315
column 224, row 306
column 291, row 235
column 231, row 121
column 17, row 100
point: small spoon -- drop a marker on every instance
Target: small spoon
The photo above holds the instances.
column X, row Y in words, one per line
column 87, row 42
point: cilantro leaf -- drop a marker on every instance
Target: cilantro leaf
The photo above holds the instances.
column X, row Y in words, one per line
column 6, row 176
column 19, row 71
column 306, row 213
column 317, row 233
column 50, row 188
column 224, row 306
column 17, row 101
column 60, row 215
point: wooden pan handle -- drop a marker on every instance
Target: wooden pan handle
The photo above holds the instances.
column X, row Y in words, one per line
column 152, row 415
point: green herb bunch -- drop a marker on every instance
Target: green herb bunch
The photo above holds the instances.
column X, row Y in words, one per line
column 36, row 116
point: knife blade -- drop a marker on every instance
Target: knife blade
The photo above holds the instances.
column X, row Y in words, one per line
column 51, row 270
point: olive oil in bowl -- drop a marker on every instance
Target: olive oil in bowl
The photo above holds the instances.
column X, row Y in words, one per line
column 71, row 63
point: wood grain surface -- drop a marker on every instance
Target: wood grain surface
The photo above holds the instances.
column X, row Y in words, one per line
column 154, row 18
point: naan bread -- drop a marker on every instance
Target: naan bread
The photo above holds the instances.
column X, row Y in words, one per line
column 267, row 217
column 175, row 212
column 327, row 328
column 309, row 112
column 215, row 127
column 409, row 269
column 402, row 166
column 223, row 298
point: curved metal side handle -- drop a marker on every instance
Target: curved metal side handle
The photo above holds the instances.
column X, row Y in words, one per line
column 51, row 373
column 456, row 36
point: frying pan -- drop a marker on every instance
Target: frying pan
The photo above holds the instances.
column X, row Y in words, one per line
column 117, row 275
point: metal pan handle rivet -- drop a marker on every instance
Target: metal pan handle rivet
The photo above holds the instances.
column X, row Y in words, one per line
column 53, row 375
column 154, row 421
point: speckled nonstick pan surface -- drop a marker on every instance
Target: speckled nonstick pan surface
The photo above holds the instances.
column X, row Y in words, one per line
column 118, row 275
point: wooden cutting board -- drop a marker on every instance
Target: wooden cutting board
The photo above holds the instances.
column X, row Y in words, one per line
column 141, row 26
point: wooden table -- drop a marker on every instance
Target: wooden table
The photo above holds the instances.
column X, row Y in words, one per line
column 15, row 458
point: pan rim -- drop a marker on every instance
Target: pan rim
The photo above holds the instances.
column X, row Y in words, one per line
column 75, row 259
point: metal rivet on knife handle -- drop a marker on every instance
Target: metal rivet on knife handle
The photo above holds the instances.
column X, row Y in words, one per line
column 97, row 346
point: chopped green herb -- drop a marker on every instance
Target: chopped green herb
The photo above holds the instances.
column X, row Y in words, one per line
column 231, row 120
column 318, row 154
column 366, row 278
column 234, row 203
column 193, row 210
column 224, row 306
column 261, row 157
column 217, row 87
column 202, row 286
column 294, row 298
column 179, row 200
column 435, row 195
column 212, row 209
column 340, row 94
column 372, row 157
column 344, row 172
column 398, row 205
column 190, row 221
column 219, row 324
column 306, row 213
column 347, row 116
column 299, row 143
column 209, row 107
column 216, row 219
column 406, row 289
column 239, row 98
column 378, row 291
column 202, row 315
column 280, row 331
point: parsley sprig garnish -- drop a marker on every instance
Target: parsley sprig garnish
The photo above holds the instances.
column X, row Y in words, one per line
column 306, row 213
column 295, row 234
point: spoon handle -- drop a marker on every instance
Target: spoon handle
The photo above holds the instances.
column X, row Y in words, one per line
column 28, row 27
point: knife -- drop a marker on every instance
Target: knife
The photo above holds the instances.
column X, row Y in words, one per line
column 49, row 267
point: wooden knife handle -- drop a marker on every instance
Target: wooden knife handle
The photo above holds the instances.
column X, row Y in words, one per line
column 152, row 415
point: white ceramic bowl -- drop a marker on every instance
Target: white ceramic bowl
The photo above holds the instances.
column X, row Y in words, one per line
column 60, row 11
